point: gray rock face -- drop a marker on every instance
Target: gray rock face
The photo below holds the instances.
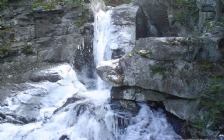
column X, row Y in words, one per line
column 136, row 94
column 156, row 12
column 177, row 66
column 33, row 38
column 128, row 24
column 184, row 109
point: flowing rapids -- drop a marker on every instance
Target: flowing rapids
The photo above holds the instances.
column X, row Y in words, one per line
column 66, row 111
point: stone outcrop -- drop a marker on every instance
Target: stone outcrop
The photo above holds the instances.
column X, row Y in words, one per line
column 163, row 69
column 177, row 66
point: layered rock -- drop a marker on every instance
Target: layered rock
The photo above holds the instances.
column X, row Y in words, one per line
column 180, row 67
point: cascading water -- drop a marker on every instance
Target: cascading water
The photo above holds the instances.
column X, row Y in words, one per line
column 101, row 35
column 85, row 115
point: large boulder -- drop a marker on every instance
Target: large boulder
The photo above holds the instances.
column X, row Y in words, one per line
column 128, row 23
column 178, row 66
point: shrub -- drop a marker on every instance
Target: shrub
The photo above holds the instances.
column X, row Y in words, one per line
column 3, row 3
column 212, row 106
column 186, row 13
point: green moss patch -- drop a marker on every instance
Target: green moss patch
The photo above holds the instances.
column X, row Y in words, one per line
column 50, row 5
column 204, row 65
column 144, row 52
column 184, row 41
column 79, row 23
column 116, row 2
column 5, row 51
column 6, row 35
column 46, row 6
column 159, row 68
column 27, row 50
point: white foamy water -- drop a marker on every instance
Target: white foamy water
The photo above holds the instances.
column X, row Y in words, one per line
column 64, row 110
column 101, row 41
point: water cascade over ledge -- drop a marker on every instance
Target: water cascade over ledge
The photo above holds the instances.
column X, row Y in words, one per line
column 65, row 110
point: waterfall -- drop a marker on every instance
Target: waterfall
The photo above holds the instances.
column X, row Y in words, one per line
column 66, row 111
column 101, row 40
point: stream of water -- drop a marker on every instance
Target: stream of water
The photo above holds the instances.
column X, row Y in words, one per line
column 66, row 113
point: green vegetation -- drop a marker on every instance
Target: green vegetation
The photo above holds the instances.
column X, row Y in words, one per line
column 211, row 24
column 5, row 51
column 159, row 68
column 3, row 4
column 184, row 41
column 116, row 2
column 212, row 106
column 186, row 12
column 27, row 50
column 49, row 5
column 79, row 23
column 205, row 65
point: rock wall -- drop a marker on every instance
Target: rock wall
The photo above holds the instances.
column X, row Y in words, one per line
column 32, row 37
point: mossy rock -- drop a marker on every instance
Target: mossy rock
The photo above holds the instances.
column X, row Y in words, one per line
column 28, row 50
column 116, row 2
column 6, row 35
column 46, row 6
column 79, row 23
column 144, row 52
column 204, row 65
column 52, row 4
column 158, row 68
column 5, row 51
column 184, row 41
